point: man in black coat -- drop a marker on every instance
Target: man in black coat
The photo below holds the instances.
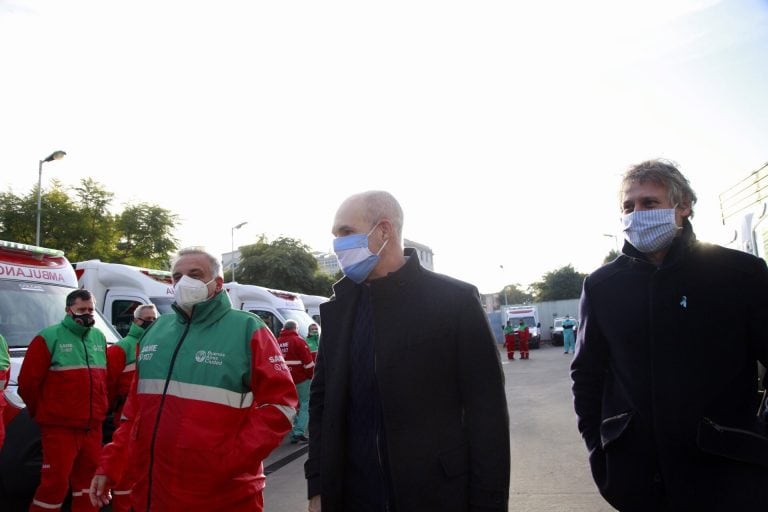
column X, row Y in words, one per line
column 407, row 407
column 665, row 372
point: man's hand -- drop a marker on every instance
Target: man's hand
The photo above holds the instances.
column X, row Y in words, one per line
column 314, row 504
column 99, row 492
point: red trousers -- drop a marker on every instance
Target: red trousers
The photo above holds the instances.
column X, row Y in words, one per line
column 523, row 345
column 69, row 459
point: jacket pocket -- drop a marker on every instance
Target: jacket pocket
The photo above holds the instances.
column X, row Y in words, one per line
column 612, row 428
column 738, row 444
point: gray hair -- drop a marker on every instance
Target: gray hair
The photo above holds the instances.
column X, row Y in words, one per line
column 214, row 261
column 290, row 325
column 379, row 205
column 664, row 173
column 139, row 309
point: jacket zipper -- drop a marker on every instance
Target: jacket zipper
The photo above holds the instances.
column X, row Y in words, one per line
column 159, row 412
column 722, row 429
column 90, row 382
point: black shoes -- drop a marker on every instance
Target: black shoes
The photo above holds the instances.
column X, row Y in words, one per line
column 299, row 439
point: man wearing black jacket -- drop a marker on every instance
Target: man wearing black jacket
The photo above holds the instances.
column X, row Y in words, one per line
column 664, row 389
column 407, row 406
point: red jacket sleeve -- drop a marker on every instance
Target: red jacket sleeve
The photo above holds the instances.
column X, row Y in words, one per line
column 33, row 371
column 115, row 367
column 307, row 361
column 274, row 397
column 113, row 460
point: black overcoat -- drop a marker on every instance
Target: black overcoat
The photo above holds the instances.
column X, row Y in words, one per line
column 665, row 379
column 442, row 392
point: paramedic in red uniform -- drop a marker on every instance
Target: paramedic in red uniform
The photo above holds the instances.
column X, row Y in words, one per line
column 63, row 381
column 121, row 367
column 299, row 360
column 509, row 340
column 212, row 397
column 524, row 334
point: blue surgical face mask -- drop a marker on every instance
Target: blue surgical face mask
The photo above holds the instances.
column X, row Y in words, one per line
column 355, row 258
column 650, row 231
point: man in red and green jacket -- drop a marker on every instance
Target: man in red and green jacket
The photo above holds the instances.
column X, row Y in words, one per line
column 299, row 360
column 211, row 399
column 63, row 381
column 5, row 364
column 121, row 367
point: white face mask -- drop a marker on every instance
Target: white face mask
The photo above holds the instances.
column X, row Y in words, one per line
column 650, row 231
column 190, row 291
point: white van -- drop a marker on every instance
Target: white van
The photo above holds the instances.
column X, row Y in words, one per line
column 34, row 283
column 119, row 289
column 312, row 303
column 273, row 306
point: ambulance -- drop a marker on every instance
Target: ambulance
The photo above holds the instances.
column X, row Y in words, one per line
column 119, row 289
column 273, row 306
column 34, row 283
column 312, row 303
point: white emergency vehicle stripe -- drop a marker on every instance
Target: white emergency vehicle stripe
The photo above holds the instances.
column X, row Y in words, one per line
column 196, row 392
column 310, row 365
column 289, row 412
column 50, row 506
column 78, row 367
column 129, row 367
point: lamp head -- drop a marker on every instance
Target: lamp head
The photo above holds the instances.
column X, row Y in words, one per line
column 56, row 155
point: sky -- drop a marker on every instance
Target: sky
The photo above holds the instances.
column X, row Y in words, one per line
column 502, row 127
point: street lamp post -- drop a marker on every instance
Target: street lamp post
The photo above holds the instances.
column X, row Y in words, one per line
column 615, row 240
column 56, row 155
column 232, row 263
column 505, row 286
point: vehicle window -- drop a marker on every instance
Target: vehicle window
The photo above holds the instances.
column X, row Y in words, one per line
column 269, row 318
column 28, row 308
column 122, row 315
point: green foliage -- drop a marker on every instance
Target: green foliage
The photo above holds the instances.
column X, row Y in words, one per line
column 146, row 236
column 79, row 222
column 514, row 295
column 284, row 264
column 563, row 283
column 611, row 256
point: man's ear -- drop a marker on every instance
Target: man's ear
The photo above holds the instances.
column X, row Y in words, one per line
column 685, row 208
column 219, row 283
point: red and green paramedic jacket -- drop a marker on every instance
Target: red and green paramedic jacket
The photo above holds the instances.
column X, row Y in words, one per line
column 121, row 365
column 211, row 399
column 63, row 379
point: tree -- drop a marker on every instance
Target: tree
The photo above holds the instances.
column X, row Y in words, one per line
column 513, row 294
column 611, row 256
column 81, row 225
column 563, row 283
column 285, row 264
column 146, row 236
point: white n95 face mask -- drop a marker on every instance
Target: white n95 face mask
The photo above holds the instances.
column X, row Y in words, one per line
column 191, row 291
column 650, row 231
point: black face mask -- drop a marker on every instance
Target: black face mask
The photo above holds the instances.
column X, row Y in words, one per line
column 86, row 320
column 146, row 323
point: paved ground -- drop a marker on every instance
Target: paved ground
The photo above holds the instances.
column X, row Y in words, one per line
column 549, row 461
